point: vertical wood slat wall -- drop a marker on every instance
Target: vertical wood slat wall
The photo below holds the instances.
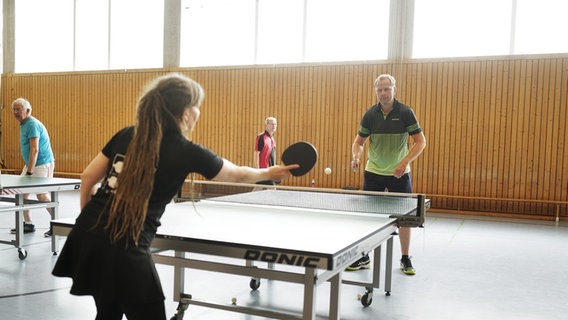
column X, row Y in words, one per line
column 496, row 129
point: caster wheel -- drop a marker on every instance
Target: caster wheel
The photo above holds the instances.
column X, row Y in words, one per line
column 388, row 293
column 254, row 283
column 22, row 253
column 367, row 299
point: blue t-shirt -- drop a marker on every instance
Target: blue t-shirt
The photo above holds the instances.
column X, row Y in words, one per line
column 33, row 128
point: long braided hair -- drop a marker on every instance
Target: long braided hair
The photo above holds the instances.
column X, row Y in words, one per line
column 160, row 109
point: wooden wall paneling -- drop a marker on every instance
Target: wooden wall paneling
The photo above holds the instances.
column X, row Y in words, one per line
column 467, row 104
column 535, row 151
column 341, row 130
column 509, row 139
column 314, row 127
column 518, row 133
column 555, row 116
column 352, row 107
column 217, row 103
column 537, row 154
column 250, row 120
column 521, row 134
column 458, row 84
column 559, row 138
column 350, row 124
column 561, row 183
column 244, row 123
column 252, row 113
column 432, row 117
column 451, row 95
column 333, row 138
column 447, row 98
column 412, row 75
column 426, row 118
column 434, row 133
column 495, row 100
column 476, row 127
column 326, row 120
column 547, row 140
column 555, row 132
column 484, row 127
column 337, row 135
column 528, row 183
column 564, row 135
column 495, row 128
column 498, row 130
column 482, row 81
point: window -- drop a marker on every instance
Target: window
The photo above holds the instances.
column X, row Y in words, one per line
column 72, row 35
column 91, row 35
column 43, row 36
column 217, row 32
column 449, row 28
column 345, row 31
column 137, row 34
column 68, row 35
column 541, row 27
column 236, row 32
column 280, row 31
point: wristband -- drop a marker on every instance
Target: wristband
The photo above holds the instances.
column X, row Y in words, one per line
column 29, row 173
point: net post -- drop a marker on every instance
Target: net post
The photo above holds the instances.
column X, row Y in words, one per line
column 421, row 208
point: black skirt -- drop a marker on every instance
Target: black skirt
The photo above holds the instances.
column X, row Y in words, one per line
column 109, row 272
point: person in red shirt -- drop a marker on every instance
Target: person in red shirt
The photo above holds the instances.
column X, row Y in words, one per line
column 265, row 148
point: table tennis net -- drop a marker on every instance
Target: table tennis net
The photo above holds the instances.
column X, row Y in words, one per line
column 362, row 203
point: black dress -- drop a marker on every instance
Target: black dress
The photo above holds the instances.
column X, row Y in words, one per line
column 122, row 272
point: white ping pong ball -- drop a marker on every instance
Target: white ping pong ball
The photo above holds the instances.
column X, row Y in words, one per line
column 234, row 301
column 327, row 171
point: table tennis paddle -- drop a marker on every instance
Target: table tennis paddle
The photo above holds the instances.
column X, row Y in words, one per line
column 301, row 153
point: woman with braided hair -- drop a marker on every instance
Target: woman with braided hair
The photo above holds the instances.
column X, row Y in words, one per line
column 141, row 168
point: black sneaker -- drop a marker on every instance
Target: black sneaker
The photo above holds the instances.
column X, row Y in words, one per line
column 406, row 266
column 28, row 228
column 49, row 232
column 363, row 263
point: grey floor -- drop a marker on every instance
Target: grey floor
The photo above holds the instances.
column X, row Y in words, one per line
column 468, row 268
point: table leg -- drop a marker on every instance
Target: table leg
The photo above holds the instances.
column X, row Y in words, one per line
column 179, row 277
column 377, row 256
column 335, row 296
column 309, row 294
column 54, row 215
column 388, row 269
column 19, row 216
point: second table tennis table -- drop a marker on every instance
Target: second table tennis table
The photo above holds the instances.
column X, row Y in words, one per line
column 13, row 189
column 318, row 233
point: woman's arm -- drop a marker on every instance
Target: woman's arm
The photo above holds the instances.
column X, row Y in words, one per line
column 233, row 173
column 92, row 174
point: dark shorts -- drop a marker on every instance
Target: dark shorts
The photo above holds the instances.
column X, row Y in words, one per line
column 375, row 182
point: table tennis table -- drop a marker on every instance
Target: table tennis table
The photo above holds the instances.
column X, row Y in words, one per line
column 13, row 189
column 303, row 237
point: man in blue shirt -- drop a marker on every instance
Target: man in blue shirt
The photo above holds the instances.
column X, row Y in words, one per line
column 36, row 151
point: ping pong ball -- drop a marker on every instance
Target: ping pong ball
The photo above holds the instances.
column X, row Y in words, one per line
column 327, row 171
column 234, row 300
